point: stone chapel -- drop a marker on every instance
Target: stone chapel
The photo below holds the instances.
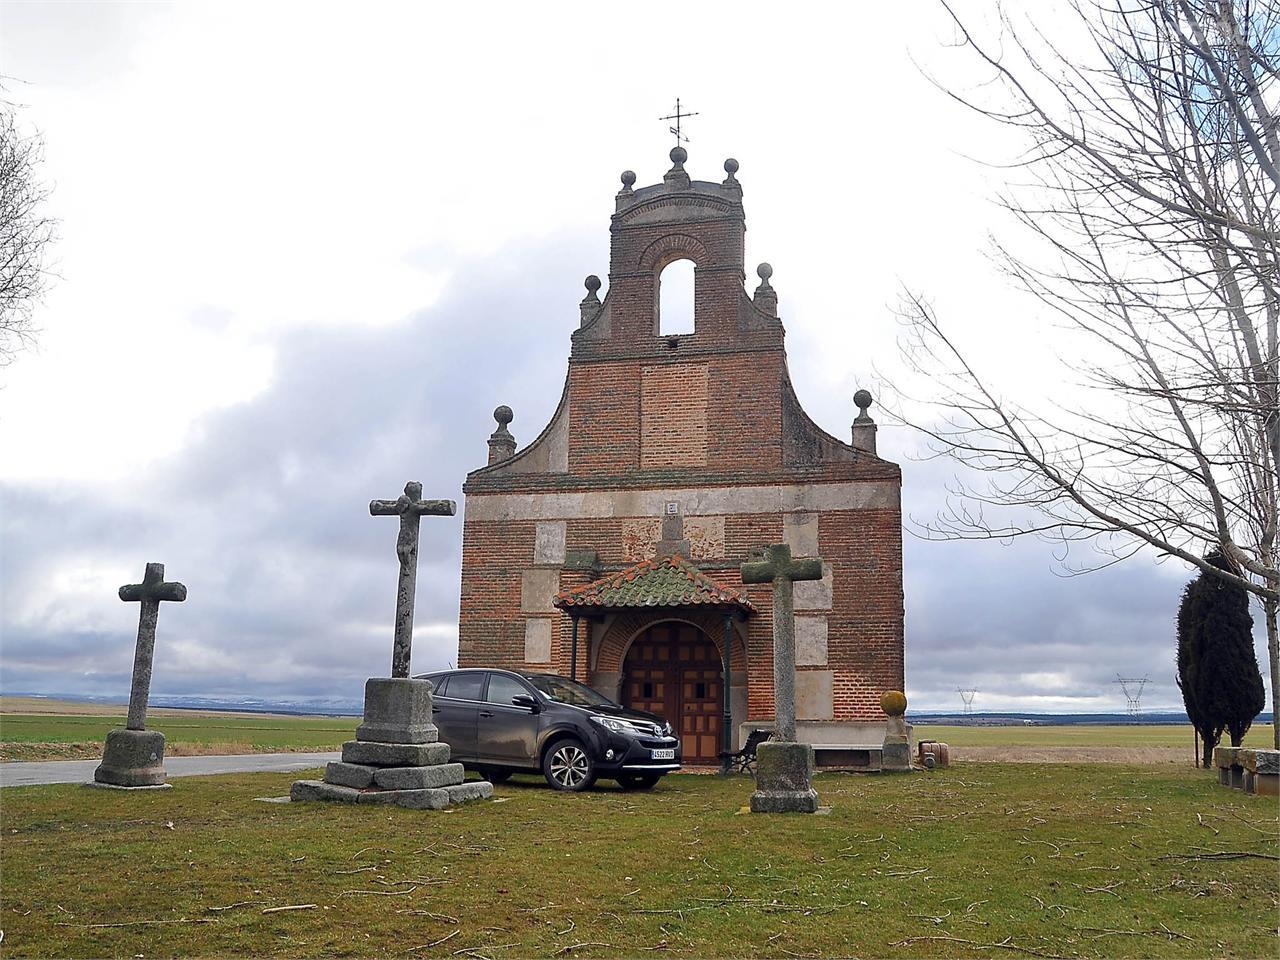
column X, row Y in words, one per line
column 609, row 547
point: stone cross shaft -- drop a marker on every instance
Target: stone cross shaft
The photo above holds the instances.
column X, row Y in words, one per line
column 149, row 593
column 781, row 569
column 410, row 508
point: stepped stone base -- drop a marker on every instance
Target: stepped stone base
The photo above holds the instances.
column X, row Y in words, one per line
column 132, row 758
column 396, row 758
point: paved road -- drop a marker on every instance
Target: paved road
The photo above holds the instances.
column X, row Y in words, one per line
column 81, row 771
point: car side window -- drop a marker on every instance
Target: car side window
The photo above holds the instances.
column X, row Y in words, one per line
column 465, row 686
column 502, row 688
column 439, row 685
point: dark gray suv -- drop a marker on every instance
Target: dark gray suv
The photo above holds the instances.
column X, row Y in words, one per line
column 501, row 722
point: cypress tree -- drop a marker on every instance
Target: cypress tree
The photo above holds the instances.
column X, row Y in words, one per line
column 1217, row 667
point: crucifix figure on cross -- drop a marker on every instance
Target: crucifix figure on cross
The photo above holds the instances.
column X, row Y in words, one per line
column 410, row 508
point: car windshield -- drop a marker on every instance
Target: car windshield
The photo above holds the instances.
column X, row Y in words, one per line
column 563, row 690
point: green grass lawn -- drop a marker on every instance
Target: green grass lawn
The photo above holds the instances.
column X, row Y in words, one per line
column 1078, row 735
column 990, row 860
column 64, row 736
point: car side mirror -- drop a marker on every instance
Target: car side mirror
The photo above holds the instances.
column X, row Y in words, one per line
column 525, row 700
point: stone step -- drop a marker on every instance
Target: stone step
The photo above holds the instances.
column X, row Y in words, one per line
column 419, row 778
column 427, row 799
column 395, row 754
column 358, row 775
column 434, row 799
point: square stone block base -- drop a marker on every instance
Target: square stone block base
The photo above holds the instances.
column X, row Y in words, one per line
column 397, row 710
column 895, row 756
column 784, row 779
column 132, row 758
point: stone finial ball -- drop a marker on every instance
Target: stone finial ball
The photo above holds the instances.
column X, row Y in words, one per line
column 863, row 399
column 503, row 415
column 731, row 166
column 764, row 272
column 893, row 702
column 628, row 178
column 592, row 283
column 679, row 154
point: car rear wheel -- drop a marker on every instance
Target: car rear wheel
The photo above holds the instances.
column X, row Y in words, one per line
column 640, row 781
column 567, row 766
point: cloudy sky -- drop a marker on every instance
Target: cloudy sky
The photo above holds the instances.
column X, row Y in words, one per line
column 307, row 248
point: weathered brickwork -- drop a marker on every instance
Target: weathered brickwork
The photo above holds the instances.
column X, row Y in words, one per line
column 693, row 443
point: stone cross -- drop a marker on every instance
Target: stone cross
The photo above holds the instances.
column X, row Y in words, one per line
column 410, row 508
column 779, row 568
column 149, row 593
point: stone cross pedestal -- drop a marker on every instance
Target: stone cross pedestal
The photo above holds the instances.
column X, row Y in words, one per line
column 895, row 753
column 396, row 756
column 134, row 756
column 784, row 768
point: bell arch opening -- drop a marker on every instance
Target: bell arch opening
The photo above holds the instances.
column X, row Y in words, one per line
column 674, row 299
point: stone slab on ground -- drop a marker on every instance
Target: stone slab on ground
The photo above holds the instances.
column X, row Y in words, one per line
column 356, row 775
column 418, row 778
column 132, row 758
column 433, row 799
column 395, row 754
column 319, row 790
column 397, row 710
column 115, row 786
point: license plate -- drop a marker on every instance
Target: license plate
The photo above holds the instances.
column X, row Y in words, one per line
column 664, row 754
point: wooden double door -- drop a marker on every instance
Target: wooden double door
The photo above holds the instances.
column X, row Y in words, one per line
column 674, row 670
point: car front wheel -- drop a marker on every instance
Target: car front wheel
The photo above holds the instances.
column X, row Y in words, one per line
column 567, row 766
column 642, row 781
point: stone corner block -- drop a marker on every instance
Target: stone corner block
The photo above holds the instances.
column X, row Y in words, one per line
column 357, row 775
column 132, row 758
column 394, row 754
column 895, row 756
column 397, row 710
column 419, row 778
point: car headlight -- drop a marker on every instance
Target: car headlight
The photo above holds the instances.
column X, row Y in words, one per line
column 614, row 724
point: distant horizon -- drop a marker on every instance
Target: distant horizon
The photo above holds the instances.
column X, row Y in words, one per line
column 1161, row 713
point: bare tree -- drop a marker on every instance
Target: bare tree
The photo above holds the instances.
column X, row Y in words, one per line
column 1145, row 212
column 25, row 233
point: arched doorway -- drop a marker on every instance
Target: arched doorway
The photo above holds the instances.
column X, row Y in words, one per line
column 674, row 670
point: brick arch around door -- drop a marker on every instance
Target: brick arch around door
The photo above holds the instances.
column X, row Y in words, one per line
column 674, row 669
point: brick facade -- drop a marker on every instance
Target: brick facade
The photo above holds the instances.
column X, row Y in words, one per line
column 696, row 440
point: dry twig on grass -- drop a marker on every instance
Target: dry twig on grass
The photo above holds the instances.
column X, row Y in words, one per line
column 233, row 906
column 1004, row 944
column 296, row 906
column 1221, row 855
column 578, row 946
column 378, row 893
column 138, row 923
column 435, row 943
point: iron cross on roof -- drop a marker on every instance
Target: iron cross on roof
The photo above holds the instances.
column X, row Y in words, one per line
column 677, row 116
